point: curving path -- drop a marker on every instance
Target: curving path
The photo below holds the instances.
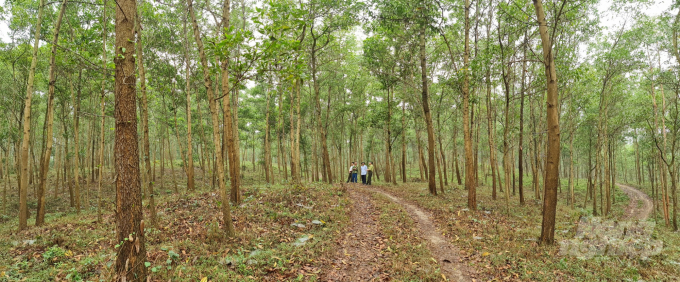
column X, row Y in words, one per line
column 635, row 210
column 445, row 253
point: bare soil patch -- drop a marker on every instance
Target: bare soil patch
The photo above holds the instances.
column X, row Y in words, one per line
column 359, row 255
column 634, row 211
column 446, row 254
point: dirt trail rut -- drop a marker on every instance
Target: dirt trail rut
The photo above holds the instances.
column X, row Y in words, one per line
column 635, row 211
column 358, row 257
column 445, row 253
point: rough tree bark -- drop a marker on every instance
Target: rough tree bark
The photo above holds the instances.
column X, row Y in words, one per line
column 129, row 218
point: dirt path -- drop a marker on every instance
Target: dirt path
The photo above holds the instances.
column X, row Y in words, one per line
column 358, row 256
column 640, row 206
column 445, row 253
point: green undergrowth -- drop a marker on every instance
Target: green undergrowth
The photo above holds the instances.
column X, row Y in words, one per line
column 504, row 246
column 187, row 243
column 407, row 255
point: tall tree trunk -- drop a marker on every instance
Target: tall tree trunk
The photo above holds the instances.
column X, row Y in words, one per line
column 129, row 217
column 75, row 99
column 187, row 89
column 172, row 162
column 103, row 120
column 267, row 146
column 428, row 116
column 145, row 124
column 326, row 165
column 520, row 149
column 226, row 210
column 49, row 120
column 467, row 132
column 23, row 164
column 403, row 142
column 552, row 160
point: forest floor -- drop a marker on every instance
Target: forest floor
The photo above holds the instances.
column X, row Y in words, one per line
column 323, row 232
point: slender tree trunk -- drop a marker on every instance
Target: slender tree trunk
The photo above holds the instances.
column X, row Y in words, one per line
column 75, row 99
column 267, row 146
column 428, row 116
column 553, row 145
column 49, row 120
column 103, row 122
column 470, row 184
column 403, row 143
column 129, row 217
column 226, row 210
column 145, row 124
column 23, row 164
column 190, row 153
column 172, row 162
column 520, row 149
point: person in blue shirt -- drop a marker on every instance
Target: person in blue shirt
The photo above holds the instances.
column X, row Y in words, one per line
column 364, row 171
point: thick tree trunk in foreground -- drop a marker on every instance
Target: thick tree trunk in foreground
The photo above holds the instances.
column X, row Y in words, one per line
column 132, row 251
column 23, row 160
column 49, row 119
column 552, row 160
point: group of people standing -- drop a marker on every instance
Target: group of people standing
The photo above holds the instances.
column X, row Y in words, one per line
column 366, row 172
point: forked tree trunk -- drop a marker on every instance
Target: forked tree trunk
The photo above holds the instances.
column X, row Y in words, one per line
column 129, row 217
column 49, row 120
column 226, row 210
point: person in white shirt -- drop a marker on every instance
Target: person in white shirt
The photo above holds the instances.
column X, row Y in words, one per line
column 364, row 171
column 351, row 167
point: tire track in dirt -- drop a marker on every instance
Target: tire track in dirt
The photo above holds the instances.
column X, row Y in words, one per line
column 359, row 257
column 445, row 253
column 634, row 211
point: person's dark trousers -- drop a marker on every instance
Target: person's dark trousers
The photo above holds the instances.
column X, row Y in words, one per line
column 349, row 178
column 354, row 177
column 363, row 179
column 368, row 181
